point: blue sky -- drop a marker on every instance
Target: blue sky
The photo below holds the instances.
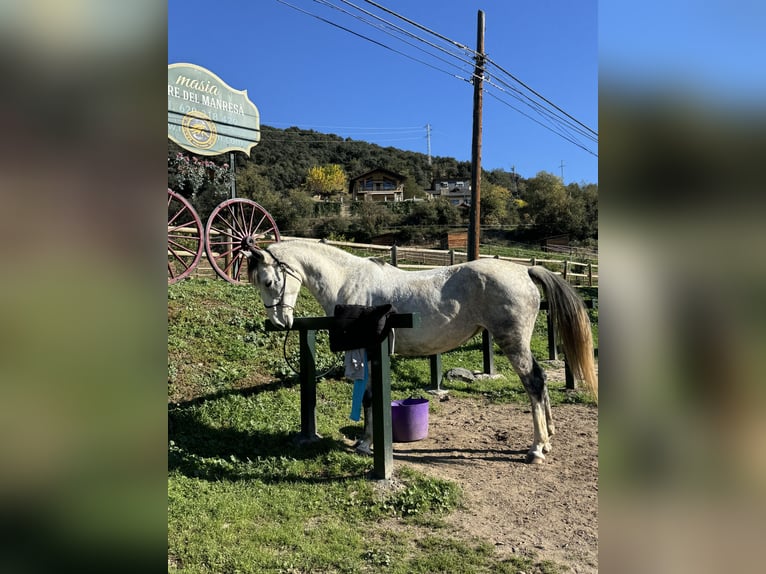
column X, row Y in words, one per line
column 303, row 72
column 711, row 51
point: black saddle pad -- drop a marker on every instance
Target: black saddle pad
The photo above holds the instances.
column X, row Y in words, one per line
column 360, row 326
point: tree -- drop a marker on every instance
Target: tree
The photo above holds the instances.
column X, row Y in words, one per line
column 327, row 180
column 202, row 181
column 252, row 182
column 494, row 204
column 437, row 212
column 371, row 217
column 550, row 206
column 412, row 189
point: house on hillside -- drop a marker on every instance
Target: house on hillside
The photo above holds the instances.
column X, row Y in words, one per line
column 456, row 191
column 377, row 185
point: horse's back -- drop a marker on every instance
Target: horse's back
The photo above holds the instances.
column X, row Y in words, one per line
column 456, row 302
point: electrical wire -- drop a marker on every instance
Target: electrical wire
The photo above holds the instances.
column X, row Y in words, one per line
column 514, row 78
column 362, row 36
column 567, row 138
column 402, row 30
column 553, row 119
column 421, row 27
column 558, row 121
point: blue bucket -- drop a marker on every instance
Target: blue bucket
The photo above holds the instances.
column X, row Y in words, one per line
column 409, row 420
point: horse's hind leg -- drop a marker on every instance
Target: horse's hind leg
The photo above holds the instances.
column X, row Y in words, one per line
column 542, row 417
column 533, row 379
column 548, row 414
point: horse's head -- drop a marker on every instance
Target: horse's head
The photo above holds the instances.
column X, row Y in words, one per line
column 278, row 283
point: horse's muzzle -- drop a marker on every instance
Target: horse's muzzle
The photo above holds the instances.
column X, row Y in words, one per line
column 281, row 317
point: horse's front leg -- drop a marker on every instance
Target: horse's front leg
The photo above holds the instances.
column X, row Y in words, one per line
column 364, row 445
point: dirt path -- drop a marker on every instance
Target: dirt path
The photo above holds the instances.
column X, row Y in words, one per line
column 549, row 510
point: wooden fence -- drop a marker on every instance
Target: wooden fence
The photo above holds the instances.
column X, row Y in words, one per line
column 578, row 274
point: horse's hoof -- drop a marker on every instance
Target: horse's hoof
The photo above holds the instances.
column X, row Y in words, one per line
column 364, row 449
column 535, row 458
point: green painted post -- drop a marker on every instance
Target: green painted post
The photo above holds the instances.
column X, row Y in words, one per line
column 436, row 370
column 380, row 373
column 308, row 385
column 487, row 352
column 568, row 377
column 552, row 350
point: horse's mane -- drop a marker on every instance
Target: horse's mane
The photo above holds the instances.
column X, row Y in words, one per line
column 379, row 260
column 323, row 248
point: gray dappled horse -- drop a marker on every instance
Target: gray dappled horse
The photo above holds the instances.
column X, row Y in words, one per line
column 454, row 304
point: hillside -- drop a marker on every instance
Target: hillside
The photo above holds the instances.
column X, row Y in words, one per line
column 284, row 156
column 525, row 209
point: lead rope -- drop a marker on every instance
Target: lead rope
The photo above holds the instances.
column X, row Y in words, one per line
column 297, row 372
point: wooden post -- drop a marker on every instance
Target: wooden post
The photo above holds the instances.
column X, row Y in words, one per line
column 590, row 274
column 569, row 377
column 435, row 362
column 451, row 256
column 394, row 256
column 308, row 386
column 380, row 378
column 474, row 227
column 487, row 350
column 380, row 374
column 233, row 176
column 552, row 350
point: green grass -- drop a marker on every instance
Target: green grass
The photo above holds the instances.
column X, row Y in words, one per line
column 243, row 497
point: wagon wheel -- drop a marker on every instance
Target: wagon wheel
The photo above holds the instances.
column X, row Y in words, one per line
column 230, row 222
column 185, row 243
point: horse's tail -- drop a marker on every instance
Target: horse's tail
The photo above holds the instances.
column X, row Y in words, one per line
column 572, row 323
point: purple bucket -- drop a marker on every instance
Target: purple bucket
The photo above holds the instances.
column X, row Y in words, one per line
column 409, row 420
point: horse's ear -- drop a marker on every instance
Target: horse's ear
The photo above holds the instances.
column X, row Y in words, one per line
column 256, row 255
column 252, row 251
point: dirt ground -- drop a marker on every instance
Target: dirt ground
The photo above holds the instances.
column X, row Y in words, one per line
column 549, row 511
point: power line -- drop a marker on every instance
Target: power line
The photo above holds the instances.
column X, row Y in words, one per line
column 540, row 109
column 421, row 27
column 554, row 124
column 365, row 128
column 567, row 138
column 382, row 29
column 489, row 61
column 331, row 23
column 558, row 121
column 407, row 32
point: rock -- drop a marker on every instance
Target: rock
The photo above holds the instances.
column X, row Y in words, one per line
column 460, row 374
column 482, row 376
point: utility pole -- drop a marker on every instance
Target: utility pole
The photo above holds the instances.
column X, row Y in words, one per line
column 562, row 171
column 428, row 137
column 515, row 190
column 474, row 227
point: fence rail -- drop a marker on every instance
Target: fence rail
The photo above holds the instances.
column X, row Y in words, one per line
column 578, row 274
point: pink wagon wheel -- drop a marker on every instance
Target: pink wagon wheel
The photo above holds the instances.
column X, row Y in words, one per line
column 229, row 223
column 185, row 243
